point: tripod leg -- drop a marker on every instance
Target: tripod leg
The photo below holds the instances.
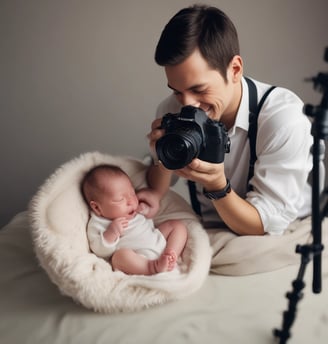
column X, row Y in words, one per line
column 316, row 217
column 294, row 296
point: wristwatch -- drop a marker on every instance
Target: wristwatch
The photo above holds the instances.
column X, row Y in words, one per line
column 213, row 195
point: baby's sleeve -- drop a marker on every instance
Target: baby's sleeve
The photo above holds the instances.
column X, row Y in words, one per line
column 98, row 244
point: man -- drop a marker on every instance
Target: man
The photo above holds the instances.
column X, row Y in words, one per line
column 199, row 50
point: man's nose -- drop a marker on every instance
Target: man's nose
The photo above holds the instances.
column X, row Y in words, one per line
column 188, row 99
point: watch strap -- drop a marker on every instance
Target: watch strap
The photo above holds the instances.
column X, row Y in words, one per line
column 213, row 195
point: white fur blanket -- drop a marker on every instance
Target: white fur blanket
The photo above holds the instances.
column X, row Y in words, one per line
column 58, row 225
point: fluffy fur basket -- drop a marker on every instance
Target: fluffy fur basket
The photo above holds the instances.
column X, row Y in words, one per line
column 58, row 225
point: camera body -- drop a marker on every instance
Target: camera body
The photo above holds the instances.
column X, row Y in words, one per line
column 191, row 134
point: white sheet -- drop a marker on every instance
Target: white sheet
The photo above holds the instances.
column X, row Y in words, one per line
column 226, row 309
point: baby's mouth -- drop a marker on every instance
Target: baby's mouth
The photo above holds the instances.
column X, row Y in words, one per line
column 132, row 213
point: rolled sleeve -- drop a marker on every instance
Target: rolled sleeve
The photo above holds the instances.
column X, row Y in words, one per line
column 281, row 173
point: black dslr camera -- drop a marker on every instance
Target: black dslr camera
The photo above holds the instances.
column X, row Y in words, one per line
column 191, row 134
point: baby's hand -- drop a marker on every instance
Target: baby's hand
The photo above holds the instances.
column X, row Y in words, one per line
column 118, row 225
column 116, row 229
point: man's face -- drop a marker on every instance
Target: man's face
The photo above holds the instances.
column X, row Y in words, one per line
column 195, row 83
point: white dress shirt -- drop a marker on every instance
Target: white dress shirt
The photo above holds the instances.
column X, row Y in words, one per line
column 280, row 189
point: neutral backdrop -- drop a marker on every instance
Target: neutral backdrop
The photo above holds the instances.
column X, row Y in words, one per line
column 79, row 76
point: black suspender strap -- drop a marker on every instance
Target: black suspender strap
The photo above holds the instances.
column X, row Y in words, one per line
column 193, row 197
column 254, row 111
column 252, row 129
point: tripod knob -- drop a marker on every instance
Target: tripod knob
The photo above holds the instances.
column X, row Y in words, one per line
column 309, row 110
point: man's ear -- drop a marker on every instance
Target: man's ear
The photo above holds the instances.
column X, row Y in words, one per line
column 95, row 208
column 236, row 68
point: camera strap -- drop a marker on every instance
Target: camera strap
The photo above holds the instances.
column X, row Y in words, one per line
column 254, row 111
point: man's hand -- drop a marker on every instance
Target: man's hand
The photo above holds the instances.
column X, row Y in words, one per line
column 143, row 209
column 158, row 177
column 149, row 202
column 210, row 175
column 154, row 135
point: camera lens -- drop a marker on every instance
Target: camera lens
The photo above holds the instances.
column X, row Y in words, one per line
column 176, row 150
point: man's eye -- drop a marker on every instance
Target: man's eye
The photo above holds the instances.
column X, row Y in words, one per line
column 199, row 91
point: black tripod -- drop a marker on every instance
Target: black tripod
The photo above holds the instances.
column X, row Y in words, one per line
column 319, row 210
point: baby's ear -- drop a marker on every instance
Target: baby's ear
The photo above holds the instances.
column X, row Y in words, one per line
column 95, row 208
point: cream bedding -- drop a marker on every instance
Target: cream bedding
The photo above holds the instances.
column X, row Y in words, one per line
column 226, row 309
column 55, row 302
column 59, row 218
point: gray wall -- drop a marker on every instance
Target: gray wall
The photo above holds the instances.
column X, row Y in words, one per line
column 78, row 76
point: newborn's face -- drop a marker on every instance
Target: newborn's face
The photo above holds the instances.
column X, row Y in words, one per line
column 119, row 200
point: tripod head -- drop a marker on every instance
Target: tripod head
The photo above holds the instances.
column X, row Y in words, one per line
column 320, row 112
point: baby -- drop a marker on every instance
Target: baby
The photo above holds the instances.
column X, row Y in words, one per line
column 118, row 227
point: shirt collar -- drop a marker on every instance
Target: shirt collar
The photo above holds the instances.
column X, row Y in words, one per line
column 243, row 110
